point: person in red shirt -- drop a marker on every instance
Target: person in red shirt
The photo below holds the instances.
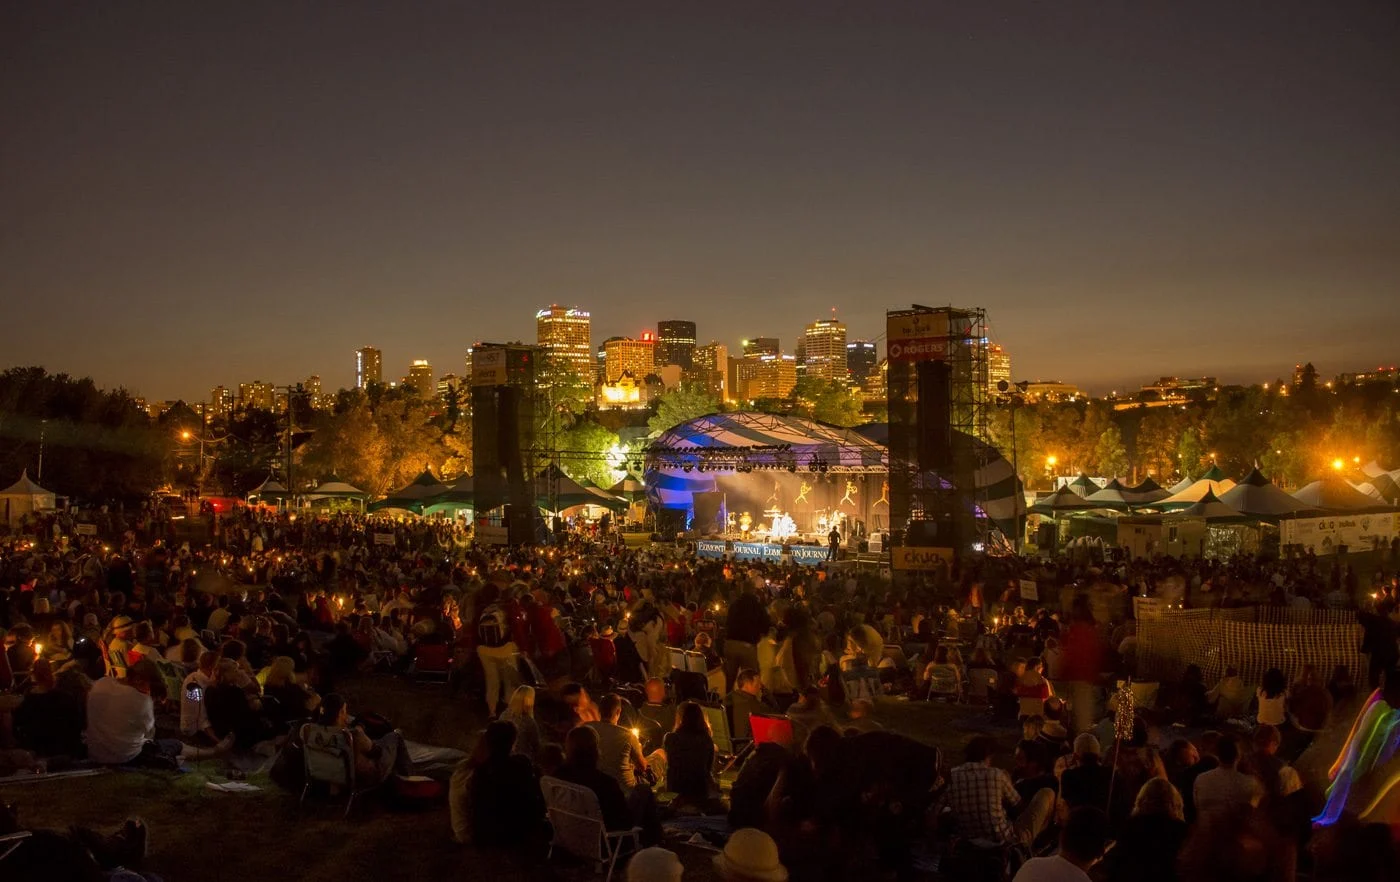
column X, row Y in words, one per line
column 1083, row 662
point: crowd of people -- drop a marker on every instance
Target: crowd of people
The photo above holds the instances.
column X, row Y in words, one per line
column 673, row 689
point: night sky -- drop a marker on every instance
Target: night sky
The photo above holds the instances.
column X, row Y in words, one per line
column 213, row 192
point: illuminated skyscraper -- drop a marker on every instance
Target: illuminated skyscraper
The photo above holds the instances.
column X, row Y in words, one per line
column 998, row 367
column 625, row 355
column 368, row 367
column 256, row 395
column 710, row 369
column 675, row 343
column 420, row 377
column 861, row 360
column 564, row 334
column 824, row 350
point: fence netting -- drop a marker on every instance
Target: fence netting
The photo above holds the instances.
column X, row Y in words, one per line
column 1250, row 639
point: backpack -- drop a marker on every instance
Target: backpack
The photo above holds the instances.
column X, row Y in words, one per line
column 492, row 629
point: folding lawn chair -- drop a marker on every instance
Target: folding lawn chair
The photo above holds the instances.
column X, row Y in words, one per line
column 328, row 756
column 577, row 820
column 432, row 661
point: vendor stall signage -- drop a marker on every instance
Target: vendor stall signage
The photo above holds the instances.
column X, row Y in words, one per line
column 912, row 557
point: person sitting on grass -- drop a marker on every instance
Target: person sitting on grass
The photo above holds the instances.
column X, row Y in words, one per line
column 520, row 711
column 291, row 700
column 507, row 808
column 690, row 757
column 1083, row 841
column 49, row 720
column 121, row 723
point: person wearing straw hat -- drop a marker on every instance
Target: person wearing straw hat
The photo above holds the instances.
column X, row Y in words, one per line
column 654, row 865
column 750, row 855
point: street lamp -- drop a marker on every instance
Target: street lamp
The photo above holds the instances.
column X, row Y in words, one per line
column 1337, row 464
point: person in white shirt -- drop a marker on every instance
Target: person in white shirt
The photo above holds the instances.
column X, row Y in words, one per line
column 194, row 713
column 1082, row 844
column 1225, row 788
column 121, row 723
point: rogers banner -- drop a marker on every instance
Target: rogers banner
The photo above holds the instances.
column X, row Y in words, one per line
column 921, row 336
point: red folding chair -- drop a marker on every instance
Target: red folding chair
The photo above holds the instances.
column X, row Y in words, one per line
column 771, row 730
column 432, row 660
column 604, row 657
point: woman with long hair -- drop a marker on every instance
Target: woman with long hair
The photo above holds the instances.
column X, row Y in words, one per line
column 1272, row 696
column 1149, row 840
column 520, row 711
column 690, row 755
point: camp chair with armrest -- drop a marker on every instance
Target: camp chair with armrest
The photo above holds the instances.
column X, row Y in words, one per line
column 981, row 682
column 678, row 659
column 577, row 821
column 328, row 757
column 943, row 680
column 10, row 843
column 433, row 661
column 862, row 682
column 772, row 730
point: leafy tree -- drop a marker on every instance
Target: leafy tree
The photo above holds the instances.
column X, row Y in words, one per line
column 827, row 401
column 1098, row 419
column 1158, row 437
column 1286, row 460
column 1110, row 456
column 583, row 452
column 457, row 444
column 1059, row 437
column 1027, row 450
column 680, row 405
column 1190, row 452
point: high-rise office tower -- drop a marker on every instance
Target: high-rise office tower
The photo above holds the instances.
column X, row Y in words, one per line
column 256, row 395
column 675, row 343
column 564, row 335
column 710, row 369
column 625, row 355
column 420, row 377
column 998, row 367
column 861, row 359
column 824, row 350
column 368, row 367
column 758, row 347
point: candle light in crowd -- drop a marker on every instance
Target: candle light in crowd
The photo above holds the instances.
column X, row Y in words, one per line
column 38, row 649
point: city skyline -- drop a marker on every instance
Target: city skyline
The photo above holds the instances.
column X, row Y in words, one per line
column 1201, row 189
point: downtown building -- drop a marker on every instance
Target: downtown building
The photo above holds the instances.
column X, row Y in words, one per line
column 675, row 344
column 998, row 368
column 710, row 370
column 862, row 359
column 623, row 355
column 822, row 350
column 564, row 335
column 369, row 367
column 420, row 377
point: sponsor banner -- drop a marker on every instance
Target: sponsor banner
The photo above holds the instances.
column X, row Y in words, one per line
column 492, row 534
column 85, row 529
column 383, row 538
column 918, row 337
column 1029, row 590
column 489, row 367
column 1358, row 532
column 912, row 557
column 709, row 549
column 803, row 555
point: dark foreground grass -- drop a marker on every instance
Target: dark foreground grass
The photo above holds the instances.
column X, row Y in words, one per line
column 199, row 835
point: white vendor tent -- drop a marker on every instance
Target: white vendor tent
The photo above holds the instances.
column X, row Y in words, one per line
column 25, row 497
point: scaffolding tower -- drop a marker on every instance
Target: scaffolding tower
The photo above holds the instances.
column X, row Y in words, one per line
column 938, row 402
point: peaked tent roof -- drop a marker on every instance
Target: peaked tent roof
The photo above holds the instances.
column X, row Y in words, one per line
column 1213, row 510
column 1334, row 494
column 1114, row 496
column 1084, row 485
column 1212, row 474
column 271, row 488
column 412, row 495
column 1062, row 501
column 568, row 493
column 25, row 487
column 1258, row 497
column 1387, row 487
column 628, row 488
column 1194, row 493
column 1147, row 492
column 338, row 489
column 1180, row 485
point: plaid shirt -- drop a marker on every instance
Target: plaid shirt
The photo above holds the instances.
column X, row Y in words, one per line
column 978, row 795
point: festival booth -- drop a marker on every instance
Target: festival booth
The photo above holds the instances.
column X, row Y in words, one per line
column 329, row 493
column 632, row 490
column 557, row 493
column 456, row 501
column 1145, row 493
column 24, row 497
column 1208, row 529
column 1113, row 497
column 413, row 497
column 269, row 492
